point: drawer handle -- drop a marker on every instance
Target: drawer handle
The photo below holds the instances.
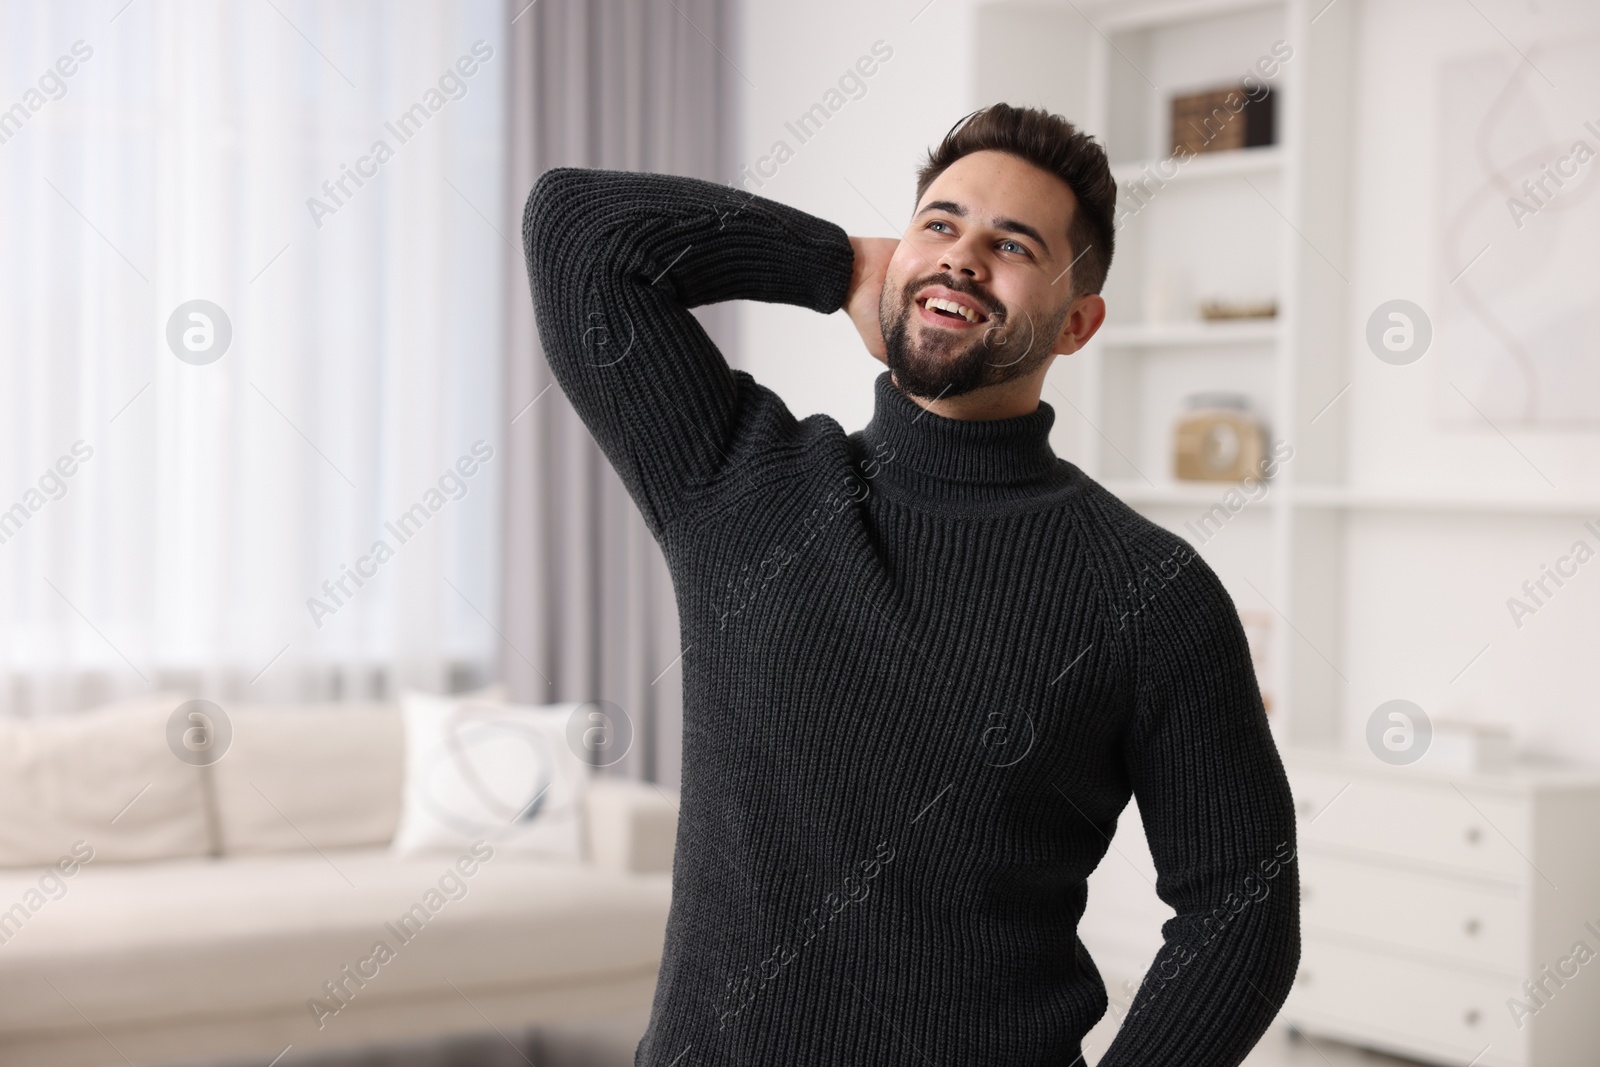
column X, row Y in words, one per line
column 1474, row 835
column 1472, row 927
column 1472, row 1016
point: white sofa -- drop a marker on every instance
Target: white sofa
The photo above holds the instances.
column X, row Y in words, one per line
column 219, row 900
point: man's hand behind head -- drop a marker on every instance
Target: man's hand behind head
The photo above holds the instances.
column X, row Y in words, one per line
column 866, row 286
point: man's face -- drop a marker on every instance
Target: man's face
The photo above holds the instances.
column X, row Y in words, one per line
column 990, row 234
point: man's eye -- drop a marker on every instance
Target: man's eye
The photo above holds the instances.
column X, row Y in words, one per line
column 936, row 222
column 1016, row 247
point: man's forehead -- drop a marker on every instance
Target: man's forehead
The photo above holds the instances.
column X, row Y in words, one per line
column 995, row 185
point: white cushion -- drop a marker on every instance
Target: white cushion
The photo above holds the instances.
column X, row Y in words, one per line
column 323, row 775
column 481, row 770
column 312, row 775
column 106, row 777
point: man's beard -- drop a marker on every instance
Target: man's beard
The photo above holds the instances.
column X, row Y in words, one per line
column 945, row 365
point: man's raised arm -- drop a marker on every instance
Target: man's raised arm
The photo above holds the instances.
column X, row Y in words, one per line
column 1219, row 817
column 615, row 261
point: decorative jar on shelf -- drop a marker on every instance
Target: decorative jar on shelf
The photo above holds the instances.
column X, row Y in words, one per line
column 1218, row 439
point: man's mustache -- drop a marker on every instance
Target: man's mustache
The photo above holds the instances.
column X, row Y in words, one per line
column 991, row 307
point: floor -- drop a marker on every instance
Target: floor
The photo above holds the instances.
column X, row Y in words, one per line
column 608, row 1043
column 611, row 1044
column 1279, row 1047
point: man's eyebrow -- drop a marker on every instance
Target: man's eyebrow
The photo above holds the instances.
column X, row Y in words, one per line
column 1009, row 225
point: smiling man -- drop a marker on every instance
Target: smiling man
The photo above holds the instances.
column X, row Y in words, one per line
column 926, row 664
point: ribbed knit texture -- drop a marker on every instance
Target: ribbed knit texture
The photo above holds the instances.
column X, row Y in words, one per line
column 925, row 667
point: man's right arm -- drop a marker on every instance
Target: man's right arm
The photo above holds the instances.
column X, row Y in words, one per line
column 615, row 261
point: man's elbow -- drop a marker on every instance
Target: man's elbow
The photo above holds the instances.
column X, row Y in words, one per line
column 1280, row 946
column 553, row 204
column 553, row 192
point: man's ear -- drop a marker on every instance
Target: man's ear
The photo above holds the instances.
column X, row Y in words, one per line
column 1083, row 322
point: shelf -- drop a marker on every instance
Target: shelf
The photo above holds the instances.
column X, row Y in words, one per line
column 1203, row 166
column 1334, row 498
column 1144, row 16
column 1173, row 493
column 1195, row 334
column 1428, row 499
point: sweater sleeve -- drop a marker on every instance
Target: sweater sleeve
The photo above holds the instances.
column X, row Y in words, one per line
column 1219, row 817
column 615, row 261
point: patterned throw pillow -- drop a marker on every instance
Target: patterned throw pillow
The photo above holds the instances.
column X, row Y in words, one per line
column 503, row 773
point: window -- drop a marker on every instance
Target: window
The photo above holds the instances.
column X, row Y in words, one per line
column 250, row 331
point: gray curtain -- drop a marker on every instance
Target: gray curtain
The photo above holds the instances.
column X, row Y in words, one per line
column 587, row 609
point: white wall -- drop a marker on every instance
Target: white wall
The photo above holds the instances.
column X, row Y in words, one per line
column 1425, row 593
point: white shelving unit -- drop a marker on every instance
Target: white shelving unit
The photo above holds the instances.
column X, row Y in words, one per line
column 1188, row 334
column 1263, row 223
column 1245, row 161
column 1258, row 223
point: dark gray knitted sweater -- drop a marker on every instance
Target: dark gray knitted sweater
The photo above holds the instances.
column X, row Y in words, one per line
column 925, row 666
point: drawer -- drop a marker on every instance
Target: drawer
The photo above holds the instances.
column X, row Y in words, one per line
column 1486, row 834
column 1434, row 914
column 1405, row 1006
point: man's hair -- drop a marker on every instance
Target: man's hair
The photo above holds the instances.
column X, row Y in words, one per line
column 1052, row 144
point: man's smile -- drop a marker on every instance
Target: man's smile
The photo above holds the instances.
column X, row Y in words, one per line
column 948, row 308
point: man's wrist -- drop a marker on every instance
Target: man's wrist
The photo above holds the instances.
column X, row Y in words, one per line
column 857, row 263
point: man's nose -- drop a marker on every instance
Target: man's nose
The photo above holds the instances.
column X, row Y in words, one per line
column 962, row 258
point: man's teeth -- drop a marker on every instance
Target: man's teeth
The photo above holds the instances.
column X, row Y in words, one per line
column 950, row 305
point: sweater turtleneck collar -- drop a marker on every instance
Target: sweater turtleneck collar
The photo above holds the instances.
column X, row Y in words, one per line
column 977, row 460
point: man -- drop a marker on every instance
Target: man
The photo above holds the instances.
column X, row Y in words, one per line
column 927, row 663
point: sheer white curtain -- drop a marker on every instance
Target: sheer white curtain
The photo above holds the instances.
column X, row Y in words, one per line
column 178, row 522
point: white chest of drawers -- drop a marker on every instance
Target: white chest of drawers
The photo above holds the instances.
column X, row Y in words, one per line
column 1454, row 918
